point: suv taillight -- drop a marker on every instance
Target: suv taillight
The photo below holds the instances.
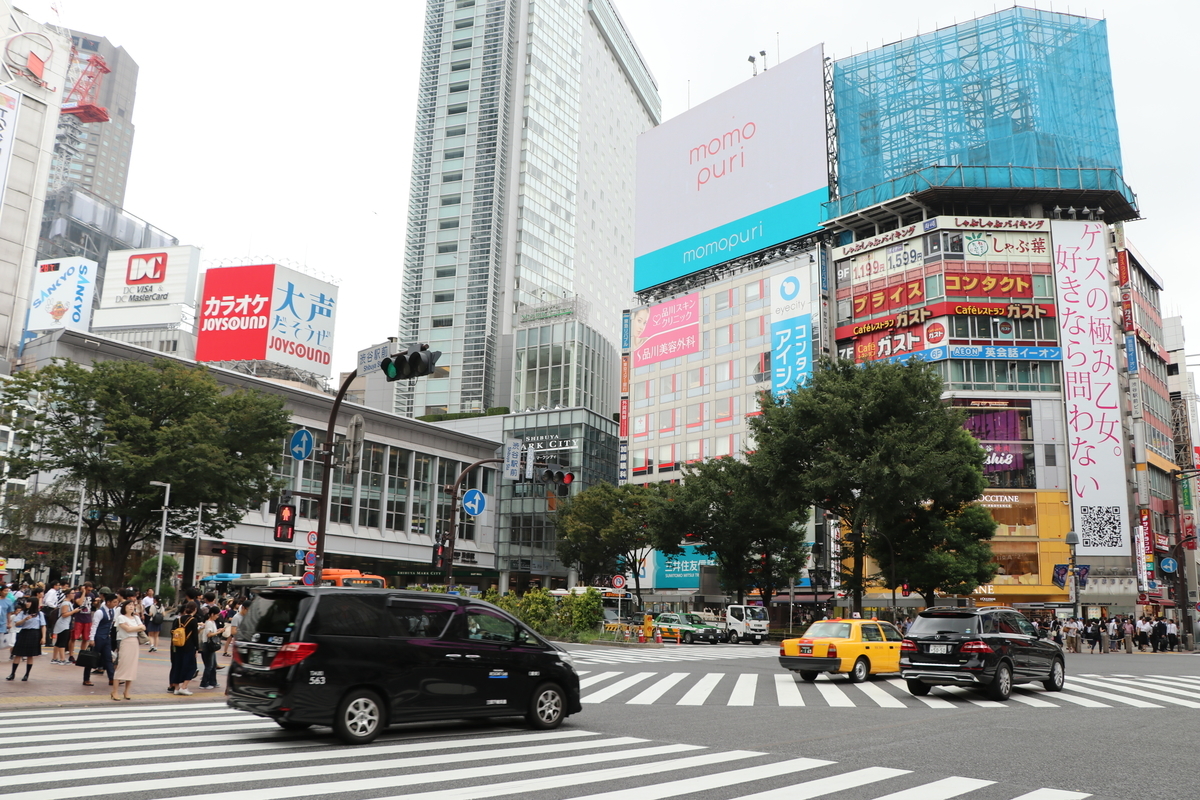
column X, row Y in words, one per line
column 976, row 646
column 831, row 652
column 292, row 654
column 237, row 654
column 908, row 646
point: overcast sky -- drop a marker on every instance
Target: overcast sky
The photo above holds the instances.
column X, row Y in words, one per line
column 267, row 133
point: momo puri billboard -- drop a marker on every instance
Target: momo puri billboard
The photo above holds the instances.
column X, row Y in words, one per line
column 740, row 172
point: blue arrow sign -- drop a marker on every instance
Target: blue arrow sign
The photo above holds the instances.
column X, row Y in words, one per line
column 301, row 445
column 474, row 502
column 1168, row 564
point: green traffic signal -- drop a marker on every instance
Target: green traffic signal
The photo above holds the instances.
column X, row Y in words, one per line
column 415, row 362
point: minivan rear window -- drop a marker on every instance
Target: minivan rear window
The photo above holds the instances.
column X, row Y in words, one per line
column 271, row 613
column 351, row 615
column 934, row 624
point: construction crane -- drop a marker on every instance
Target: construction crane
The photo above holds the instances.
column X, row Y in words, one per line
column 81, row 101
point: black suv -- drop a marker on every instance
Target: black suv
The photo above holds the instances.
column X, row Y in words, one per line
column 361, row 659
column 990, row 648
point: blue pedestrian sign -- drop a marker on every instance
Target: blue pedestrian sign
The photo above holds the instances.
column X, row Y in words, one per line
column 1168, row 564
column 301, row 446
column 299, row 556
column 474, row 502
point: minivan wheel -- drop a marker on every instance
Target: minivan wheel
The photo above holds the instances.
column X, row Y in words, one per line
column 733, row 637
column 359, row 718
column 917, row 688
column 1058, row 676
column 288, row 725
column 860, row 671
column 546, row 707
column 1001, row 686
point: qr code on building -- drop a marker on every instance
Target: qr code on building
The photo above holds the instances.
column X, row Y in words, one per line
column 1101, row 526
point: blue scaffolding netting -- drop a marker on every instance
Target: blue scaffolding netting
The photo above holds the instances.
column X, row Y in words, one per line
column 1019, row 98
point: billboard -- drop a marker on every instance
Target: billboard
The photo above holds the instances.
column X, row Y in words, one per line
column 62, row 295
column 139, row 279
column 664, row 331
column 681, row 571
column 266, row 312
column 740, row 172
column 791, row 329
column 1099, row 497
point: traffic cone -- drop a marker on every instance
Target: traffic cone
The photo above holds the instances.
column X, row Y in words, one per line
column 678, row 638
column 657, row 636
column 627, row 634
column 641, row 635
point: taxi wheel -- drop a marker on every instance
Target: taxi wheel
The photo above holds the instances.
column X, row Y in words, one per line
column 733, row 637
column 687, row 638
column 359, row 718
column 809, row 675
column 288, row 725
column 546, row 707
column 860, row 671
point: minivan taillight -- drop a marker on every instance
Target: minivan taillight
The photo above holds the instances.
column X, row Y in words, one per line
column 292, row 654
column 977, row 646
column 908, row 646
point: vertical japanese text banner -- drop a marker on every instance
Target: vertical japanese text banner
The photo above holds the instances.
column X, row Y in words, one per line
column 791, row 329
column 1096, row 444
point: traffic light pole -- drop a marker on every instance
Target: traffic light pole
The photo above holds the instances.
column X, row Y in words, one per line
column 327, row 475
column 453, row 490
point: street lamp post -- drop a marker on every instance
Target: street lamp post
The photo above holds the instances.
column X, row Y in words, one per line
column 1073, row 542
column 78, row 535
column 162, row 535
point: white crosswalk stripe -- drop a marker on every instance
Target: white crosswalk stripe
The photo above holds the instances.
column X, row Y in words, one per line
column 785, row 689
column 591, row 655
column 439, row 764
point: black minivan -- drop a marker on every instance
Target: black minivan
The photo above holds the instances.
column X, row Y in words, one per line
column 987, row 647
column 361, row 659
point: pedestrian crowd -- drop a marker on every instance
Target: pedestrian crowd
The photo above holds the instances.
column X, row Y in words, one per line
column 103, row 631
column 1114, row 634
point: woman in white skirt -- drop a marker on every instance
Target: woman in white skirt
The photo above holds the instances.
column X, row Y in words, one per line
column 128, row 624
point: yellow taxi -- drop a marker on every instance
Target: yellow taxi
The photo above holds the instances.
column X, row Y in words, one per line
column 857, row 648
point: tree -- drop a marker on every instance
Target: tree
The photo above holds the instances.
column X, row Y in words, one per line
column 121, row 424
column 725, row 508
column 946, row 552
column 872, row 443
column 607, row 525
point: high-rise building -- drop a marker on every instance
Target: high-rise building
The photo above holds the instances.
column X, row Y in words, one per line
column 95, row 155
column 521, row 208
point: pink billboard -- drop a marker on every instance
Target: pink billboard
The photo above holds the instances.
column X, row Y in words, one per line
column 665, row 331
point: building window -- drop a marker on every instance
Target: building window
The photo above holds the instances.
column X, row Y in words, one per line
column 697, row 415
column 668, row 422
column 461, row 86
column 464, row 23
column 447, row 224
column 397, row 489
column 452, row 154
column 443, row 297
column 457, row 130
column 443, row 322
column 451, row 199
column 444, row 272
column 461, row 44
column 459, row 66
column 448, row 247
column 457, row 108
column 666, row 458
column 451, row 177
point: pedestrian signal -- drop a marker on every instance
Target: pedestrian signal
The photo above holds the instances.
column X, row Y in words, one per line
column 285, row 523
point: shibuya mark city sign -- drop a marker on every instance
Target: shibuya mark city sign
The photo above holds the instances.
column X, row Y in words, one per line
column 267, row 312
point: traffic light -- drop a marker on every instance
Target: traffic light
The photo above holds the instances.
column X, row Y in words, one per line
column 439, row 553
column 415, row 362
column 219, row 551
column 904, row 590
column 555, row 475
column 285, row 523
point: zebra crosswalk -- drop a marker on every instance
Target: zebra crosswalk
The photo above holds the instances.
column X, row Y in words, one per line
column 206, row 750
column 785, row 689
column 585, row 655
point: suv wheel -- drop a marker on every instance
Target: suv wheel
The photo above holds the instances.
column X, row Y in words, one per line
column 546, row 707
column 359, row 718
column 860, row 671
column 288, row 725
column 733, row 637
column 1001, row 686
column 917, row 688
column 1058, row 676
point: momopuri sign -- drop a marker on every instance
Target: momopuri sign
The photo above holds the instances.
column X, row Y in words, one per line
column 267, row 312
column 736, row 174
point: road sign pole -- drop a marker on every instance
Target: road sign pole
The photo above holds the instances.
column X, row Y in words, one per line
column 452, row 534
column 327, row 474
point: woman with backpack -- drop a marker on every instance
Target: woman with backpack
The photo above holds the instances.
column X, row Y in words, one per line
column 184, row 642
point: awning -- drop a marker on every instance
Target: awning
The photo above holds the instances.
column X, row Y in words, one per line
column 801, row 599
column 1158, row 601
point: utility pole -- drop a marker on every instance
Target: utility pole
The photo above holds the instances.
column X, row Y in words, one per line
column 453, row 490
column 327, row 475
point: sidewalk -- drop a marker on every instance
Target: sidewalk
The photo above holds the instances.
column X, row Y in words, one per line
column 52, row 685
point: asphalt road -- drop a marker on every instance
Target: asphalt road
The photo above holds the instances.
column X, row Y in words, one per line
column 704, row 722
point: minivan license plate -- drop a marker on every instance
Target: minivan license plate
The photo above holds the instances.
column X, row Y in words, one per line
column 256, row 658
column 939, row 648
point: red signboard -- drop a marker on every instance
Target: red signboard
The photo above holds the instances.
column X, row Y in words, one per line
column 1123, row 267
column 918, row 316
column 235, row 311
column 999, row 287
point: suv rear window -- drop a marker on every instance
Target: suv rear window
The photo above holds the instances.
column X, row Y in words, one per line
column 271, row 613
column 944, row 623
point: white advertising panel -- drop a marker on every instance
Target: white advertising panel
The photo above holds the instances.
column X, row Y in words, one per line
column 1099, row 497
column 62, row 295
column 10, row 102
column 791, row 329
column 141, row 279
column 740, row 172
column 300, row 333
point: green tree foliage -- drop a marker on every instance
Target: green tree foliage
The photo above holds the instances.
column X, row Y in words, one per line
column 144, row 578
column 940, row 552
column 872, row 443
column 118, row 426
column 607, row 525
column 727, row 509
column 574, row 616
